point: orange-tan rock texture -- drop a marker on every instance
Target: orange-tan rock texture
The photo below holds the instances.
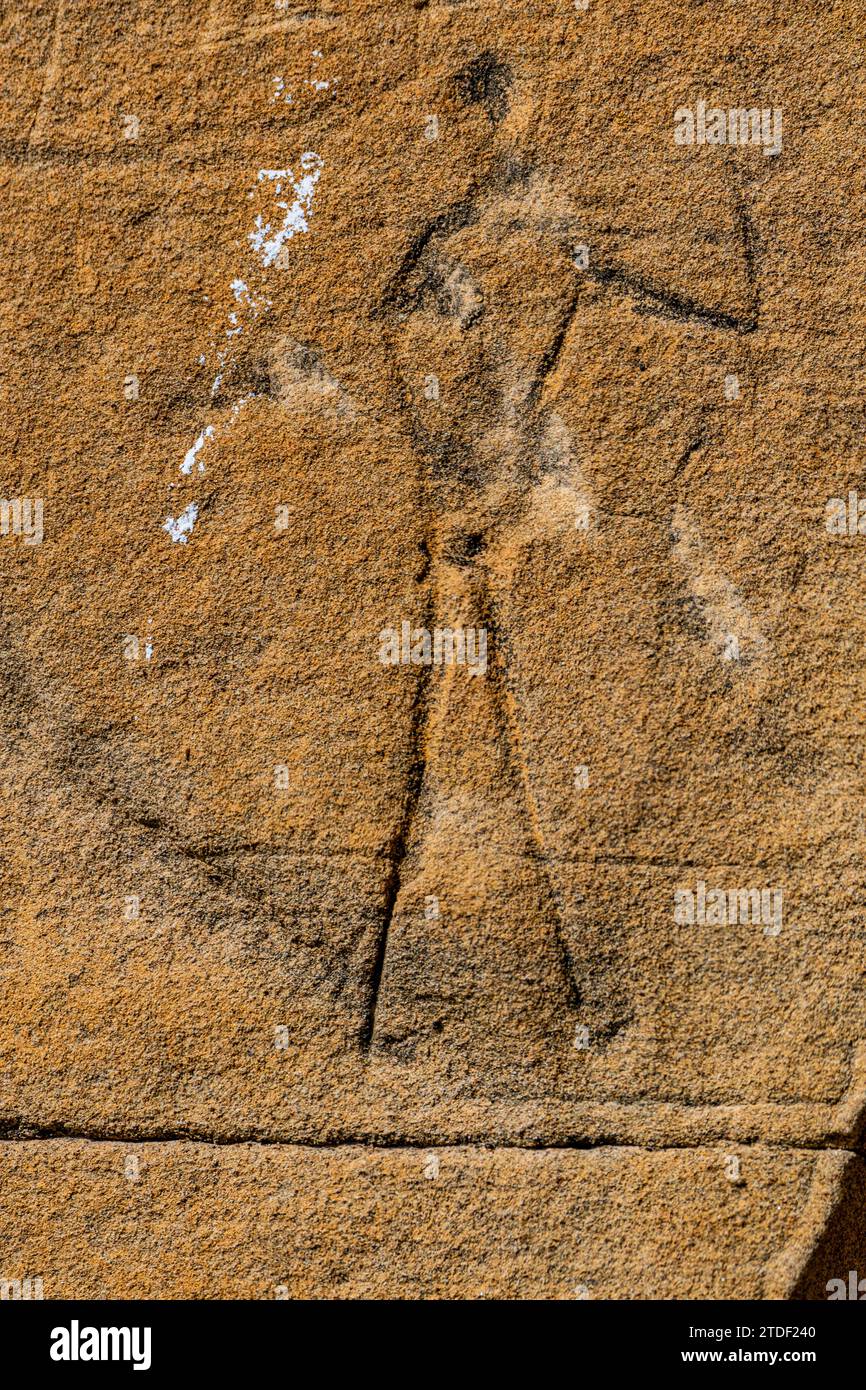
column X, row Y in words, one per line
column 433, row 649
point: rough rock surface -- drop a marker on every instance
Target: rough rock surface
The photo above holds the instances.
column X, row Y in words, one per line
column 323, row 976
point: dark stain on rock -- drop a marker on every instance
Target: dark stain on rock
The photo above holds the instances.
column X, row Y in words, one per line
column 485, row 82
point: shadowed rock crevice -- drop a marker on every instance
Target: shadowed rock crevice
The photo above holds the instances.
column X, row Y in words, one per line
column 841, row 1246
column 399, row 848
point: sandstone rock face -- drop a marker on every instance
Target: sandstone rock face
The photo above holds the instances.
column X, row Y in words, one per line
column 432, row 662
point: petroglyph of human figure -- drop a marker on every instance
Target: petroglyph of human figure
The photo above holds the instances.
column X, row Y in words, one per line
column 478, row 322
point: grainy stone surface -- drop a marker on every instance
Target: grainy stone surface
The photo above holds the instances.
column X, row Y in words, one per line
column 183, row 1220
column 319, row 322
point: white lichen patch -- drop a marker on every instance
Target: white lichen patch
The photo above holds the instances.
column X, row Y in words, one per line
column 270, row 234
column 193, row 453
column 250, row 306
column 320, row 84
column 180, row 528
column 279, row 92
column 286, row 207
